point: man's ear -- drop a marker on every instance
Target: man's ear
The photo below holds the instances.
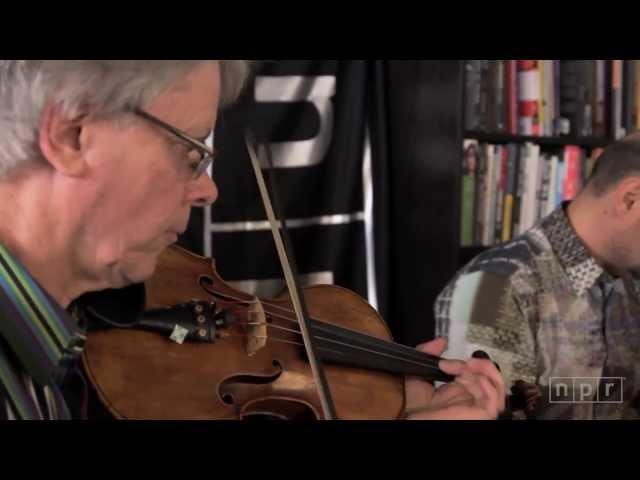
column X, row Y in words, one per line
column 59, row 140
column 627, row 196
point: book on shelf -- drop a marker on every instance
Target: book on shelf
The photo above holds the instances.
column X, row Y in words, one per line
column 469, row 198
column 507, row 189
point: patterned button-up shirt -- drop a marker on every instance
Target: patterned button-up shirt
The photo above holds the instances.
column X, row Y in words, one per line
column 548, row 314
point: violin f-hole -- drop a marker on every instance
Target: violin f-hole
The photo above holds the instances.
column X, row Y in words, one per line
column 238, row 389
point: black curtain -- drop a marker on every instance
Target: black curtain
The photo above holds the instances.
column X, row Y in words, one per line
column 312, row 113
column 405, row 116
column 424, row 145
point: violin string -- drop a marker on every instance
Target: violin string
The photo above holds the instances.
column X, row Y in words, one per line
column 236, row 300
column 274, row 339
column 406, row 352
column 425, row 365
column 228, row 297
column 278, row 327
column 401, row 349
column 279, row 340
column 398, row 348
column 337, row 342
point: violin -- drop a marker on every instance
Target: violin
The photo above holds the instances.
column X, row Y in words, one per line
column 240, row 355
column 204, row 350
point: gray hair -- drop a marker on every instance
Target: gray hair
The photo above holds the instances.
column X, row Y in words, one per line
column 102, row 87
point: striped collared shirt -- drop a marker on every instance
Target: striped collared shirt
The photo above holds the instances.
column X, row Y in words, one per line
column 39, row 343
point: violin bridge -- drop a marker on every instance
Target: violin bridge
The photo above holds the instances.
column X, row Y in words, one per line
column 256, row 328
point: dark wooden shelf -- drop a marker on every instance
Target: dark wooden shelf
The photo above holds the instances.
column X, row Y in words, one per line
column 589, row 142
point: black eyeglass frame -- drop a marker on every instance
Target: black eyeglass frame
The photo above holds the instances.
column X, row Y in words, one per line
column 208, row 154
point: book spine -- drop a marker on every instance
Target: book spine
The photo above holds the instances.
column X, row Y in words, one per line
column 616, row 99
column 572, row 176
column 511, row 97
column 517, row 204
column 503, row 157
column 501, row 118
column 468, row 191
column 553, row 181
column 472, row 94
column 489, row 195
column 528, row 97
column 599, row 121
column 478, row 207
column 510, row 192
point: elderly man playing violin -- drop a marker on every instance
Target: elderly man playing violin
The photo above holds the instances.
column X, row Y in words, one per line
column 100, row 164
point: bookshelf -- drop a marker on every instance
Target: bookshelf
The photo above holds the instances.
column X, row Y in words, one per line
column 577, row 106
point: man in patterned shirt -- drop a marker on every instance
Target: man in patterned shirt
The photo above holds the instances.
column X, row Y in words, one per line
column 558, row 308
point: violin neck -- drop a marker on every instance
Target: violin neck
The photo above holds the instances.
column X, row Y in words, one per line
column 349, row 348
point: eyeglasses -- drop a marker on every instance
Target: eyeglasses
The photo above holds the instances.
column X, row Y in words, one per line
column 207, row 154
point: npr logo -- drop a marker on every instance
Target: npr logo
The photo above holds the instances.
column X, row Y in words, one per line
column 585, row 390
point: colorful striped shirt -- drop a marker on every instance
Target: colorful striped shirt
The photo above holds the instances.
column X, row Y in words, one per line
column 40, row 343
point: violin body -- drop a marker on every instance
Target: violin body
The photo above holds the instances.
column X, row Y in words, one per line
column 255, row 367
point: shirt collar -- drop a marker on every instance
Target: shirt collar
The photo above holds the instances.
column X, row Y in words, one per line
column 580, row 266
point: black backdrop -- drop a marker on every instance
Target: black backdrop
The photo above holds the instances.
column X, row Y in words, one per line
column 326, row 120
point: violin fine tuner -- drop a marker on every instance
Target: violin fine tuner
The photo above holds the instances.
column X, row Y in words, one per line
column 195, row 321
